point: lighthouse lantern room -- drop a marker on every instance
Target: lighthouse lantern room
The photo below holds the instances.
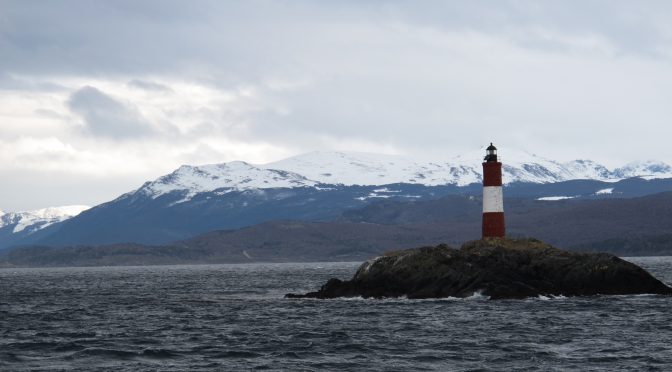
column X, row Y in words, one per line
column 493, row 199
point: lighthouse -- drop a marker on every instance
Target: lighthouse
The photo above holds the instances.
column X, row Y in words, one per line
column 493, row 199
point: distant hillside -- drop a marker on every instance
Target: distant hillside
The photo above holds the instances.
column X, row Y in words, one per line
column 632, row 246
column 564, row 223
column 269, row 242
column 15, row 226
column 139, row 218
column 629, row 227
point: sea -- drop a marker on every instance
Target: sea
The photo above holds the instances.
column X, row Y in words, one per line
column 234, row 318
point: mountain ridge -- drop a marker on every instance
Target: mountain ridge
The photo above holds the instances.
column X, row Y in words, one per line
column 15, row 226
column 583, row 225
column 326, row 168
column 38, row 219
column 320, row 186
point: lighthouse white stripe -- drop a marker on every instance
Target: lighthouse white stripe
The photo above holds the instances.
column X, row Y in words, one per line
column 493, row 200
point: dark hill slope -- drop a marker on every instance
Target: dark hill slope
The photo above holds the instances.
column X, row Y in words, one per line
column 628, row 227
column 310, row 241
column 566, row 223
column 290, row 241
column 139, row 218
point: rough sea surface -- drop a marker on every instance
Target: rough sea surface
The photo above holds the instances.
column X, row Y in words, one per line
column 234, row 317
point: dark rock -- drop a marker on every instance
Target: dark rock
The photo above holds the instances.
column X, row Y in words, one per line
column 498, row 268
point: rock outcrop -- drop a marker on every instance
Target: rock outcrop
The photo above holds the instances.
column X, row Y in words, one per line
column 498, row 268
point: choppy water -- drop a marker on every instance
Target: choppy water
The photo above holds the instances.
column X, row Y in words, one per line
column 233, row 317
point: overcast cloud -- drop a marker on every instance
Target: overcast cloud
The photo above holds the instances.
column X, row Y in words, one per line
column 97, row 97
column 104, row 116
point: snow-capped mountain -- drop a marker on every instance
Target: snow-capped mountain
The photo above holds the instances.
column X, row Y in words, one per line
column 318, row 186
column 31, row 221
column 647, row 170
column 350, row 168
column 236, row 175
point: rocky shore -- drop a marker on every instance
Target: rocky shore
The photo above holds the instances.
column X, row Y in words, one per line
column 498, row 268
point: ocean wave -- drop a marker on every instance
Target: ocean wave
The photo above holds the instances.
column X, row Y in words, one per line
column 175, row 320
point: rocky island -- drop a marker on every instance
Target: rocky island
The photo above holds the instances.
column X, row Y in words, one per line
column 495, row 267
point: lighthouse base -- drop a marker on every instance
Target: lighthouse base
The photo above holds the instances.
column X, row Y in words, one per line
column 493, row 225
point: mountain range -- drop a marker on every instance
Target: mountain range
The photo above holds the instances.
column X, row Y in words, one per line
column 623, row 226
column 364, row 169
column 16, row 225
column 318, row 186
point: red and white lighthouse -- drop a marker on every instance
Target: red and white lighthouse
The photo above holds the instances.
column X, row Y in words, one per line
column 493, row 199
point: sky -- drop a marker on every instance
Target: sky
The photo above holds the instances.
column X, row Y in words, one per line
column 97, row 97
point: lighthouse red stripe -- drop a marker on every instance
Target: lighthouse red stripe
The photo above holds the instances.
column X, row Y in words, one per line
column 493, row 225
column 492, row 174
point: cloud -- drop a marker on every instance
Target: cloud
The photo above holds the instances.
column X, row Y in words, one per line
column 148, row 85
column 258, row 80
column 22, row 84
column 107, row 117
column 246, row 40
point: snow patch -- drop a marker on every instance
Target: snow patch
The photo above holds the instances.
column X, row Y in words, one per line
column 554, row 198
column 644, row 169
column 40, row 218
column 227, row 177
column 322, row 170
column 385, row 189
column 374, row 195
column 651, row 177
column 605, row 191
column 352, row 168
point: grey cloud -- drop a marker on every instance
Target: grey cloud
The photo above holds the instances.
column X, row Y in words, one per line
column 49, row 114
column 149, row 85
column 441, row 76
column 104, row 116
column 12, row 83
column 27, row 190
column 248, row 39
column 391, row 86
